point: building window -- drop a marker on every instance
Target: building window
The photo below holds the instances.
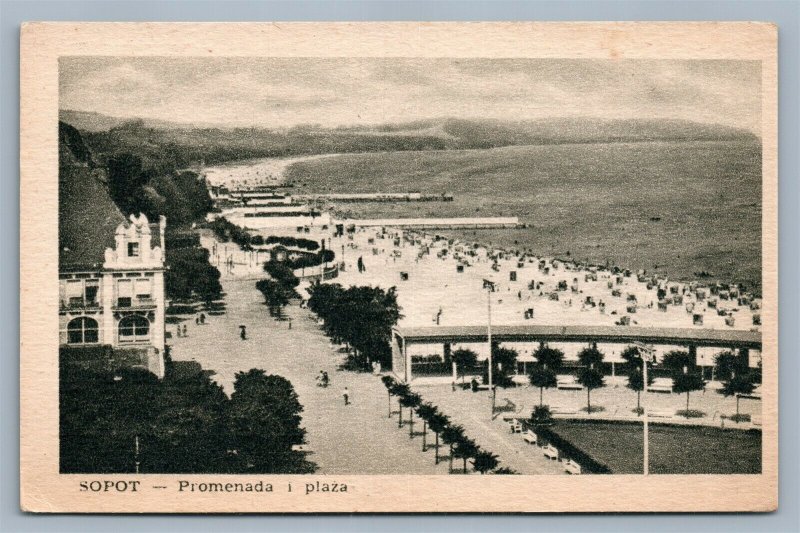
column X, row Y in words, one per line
column 82, row 330
column 133, row 249
column 124, row 293
column 92, row 287
column 143, row 288
column 134, row 328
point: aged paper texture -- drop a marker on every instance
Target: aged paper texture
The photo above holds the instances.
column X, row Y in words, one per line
column 398, row 267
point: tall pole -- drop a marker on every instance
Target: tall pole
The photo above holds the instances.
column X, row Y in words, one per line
column 489, row 332
column 646, row 425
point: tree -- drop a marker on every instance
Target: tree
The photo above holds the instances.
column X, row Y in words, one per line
column 728, row 364
column 636, row 383
column 400, row 390
column 485, row 461
column 389, row 382
column 504, row 360
column 679, row 361
column 451, row 435
column 737, row 385
column 551, row 358
column 541, row 416
column 465, row 360
column 426, row 411
column 264, row 420
column 687, row 382
column 465, row 448
column 276, row 295
column 542, row 377
column 736, row 376
column 686, row 376
column 438, row 423
column 360, row 316
column 412, row 400
column 590, row 376
column 633, row 362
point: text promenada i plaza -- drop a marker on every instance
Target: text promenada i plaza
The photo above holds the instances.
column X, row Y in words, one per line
column 259, row 486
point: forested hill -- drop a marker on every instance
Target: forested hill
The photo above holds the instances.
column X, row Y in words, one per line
column 180, row 145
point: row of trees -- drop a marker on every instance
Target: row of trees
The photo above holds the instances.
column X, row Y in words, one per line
column 733, row 370
column 295, row 242
column 129, row 420
column 278, row 290
column 227, row 231
column 360, row 317
column 452, row 435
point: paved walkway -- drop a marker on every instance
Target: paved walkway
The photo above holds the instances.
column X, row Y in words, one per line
column 472, row 410
column 354, row 439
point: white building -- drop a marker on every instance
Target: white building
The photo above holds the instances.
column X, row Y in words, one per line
column 114, row 296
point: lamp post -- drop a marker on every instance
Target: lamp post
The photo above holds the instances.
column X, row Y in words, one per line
column 649, row 351
column 490, row 287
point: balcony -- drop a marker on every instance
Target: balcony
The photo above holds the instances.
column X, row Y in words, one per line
column 78, row 303
column 140, row 302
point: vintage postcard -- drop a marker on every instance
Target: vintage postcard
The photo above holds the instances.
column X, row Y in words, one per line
column 399, row 267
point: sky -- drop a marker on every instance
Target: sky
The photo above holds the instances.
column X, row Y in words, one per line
column 285, row 92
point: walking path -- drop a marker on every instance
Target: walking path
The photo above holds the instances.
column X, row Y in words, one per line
column 354, row 439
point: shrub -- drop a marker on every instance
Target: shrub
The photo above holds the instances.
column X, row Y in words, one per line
column 541, row 416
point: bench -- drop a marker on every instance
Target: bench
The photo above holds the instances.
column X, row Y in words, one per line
column 567, row 383
column 660, row 385
column 529, row 437
column 300, row 448
column 571, row 467
column 551, row 452
column 755, row 395
column 755, row 422
column 660, row 413
column 555, row 410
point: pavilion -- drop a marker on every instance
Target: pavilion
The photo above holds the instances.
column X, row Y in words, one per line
column 691, row 338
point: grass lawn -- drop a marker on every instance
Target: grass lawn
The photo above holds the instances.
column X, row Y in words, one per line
column 673, row 449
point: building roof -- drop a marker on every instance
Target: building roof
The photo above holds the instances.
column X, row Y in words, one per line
column 87, row 219
column 619, row 334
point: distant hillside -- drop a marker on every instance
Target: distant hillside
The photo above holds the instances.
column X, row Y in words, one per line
column 90, row 121
column 494, row 133
column 165, row 145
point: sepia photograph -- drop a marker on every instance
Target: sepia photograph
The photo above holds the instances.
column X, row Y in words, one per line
column 459, row 267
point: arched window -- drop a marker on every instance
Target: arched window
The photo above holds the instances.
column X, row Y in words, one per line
column 134, row 328
column 82, row 330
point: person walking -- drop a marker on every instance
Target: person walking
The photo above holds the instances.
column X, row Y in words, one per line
column 346, row 396
column 184, row 330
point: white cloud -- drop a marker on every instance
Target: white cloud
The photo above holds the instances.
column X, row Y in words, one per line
column 285, row 92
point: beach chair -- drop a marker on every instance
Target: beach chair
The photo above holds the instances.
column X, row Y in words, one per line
column 529, row 437
column 571, row 467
